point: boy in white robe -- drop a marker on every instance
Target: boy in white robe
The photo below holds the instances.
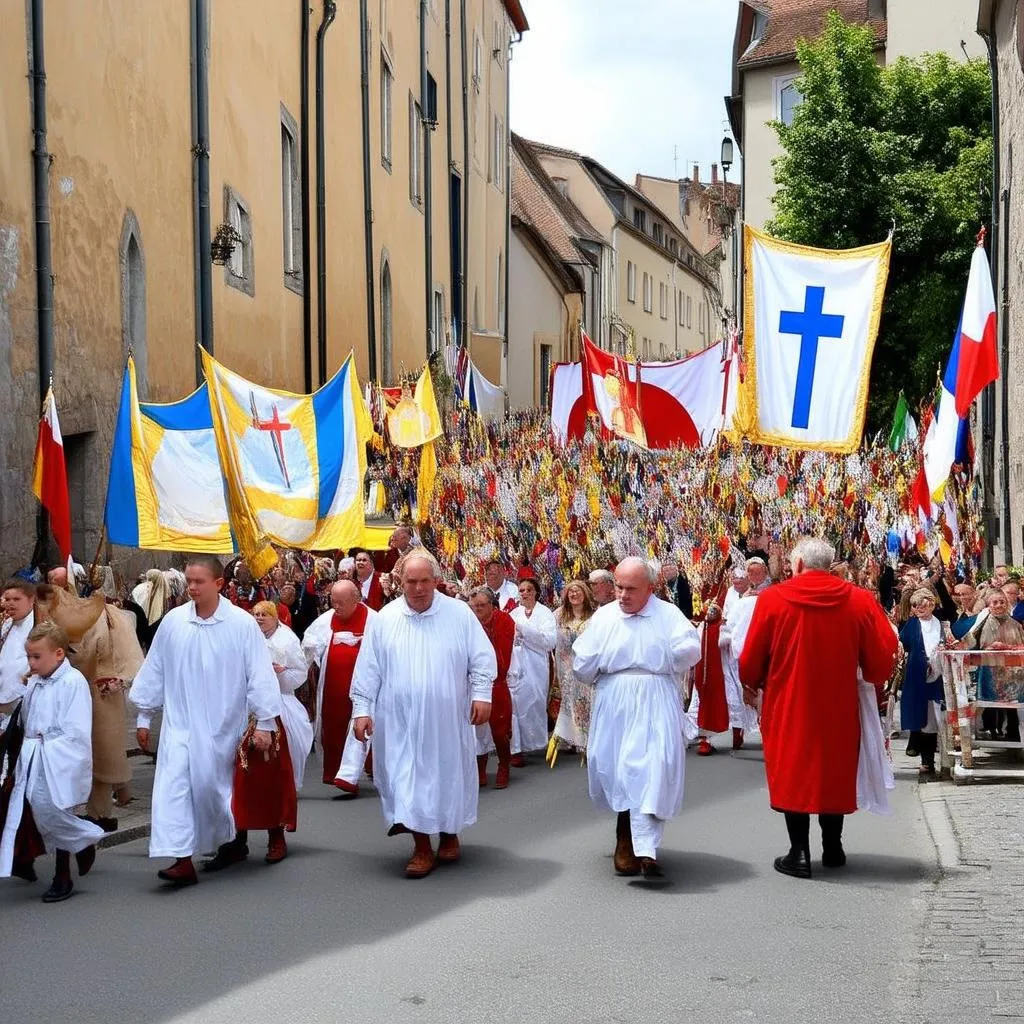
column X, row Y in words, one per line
column 422, row 680
column 636, row 653
column 208, row 668
column 17, row 602
column 53, row 773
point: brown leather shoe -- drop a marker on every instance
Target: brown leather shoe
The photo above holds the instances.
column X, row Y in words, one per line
column 448, row 849
column 423, row 860
column 626, row 861
column 181, row 873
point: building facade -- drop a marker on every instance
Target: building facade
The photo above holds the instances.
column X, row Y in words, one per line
column 1001, row 23
column 765, row 69
column 659, row 293
column 354, row 158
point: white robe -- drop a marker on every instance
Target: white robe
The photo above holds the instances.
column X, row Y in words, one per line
column 529, row 676
column 54, row 769
column 207, row 675
column 416, row 675
column 506, row 593
column 731, row 638
column 636, row 747
column 13, row 659
column 284, row 649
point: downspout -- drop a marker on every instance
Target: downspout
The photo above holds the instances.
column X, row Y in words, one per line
column 330, row 11
column 197, row 263
column 466, row 330
column 508, row 202
column 988, row 398
column 201, row 151
column 448, row 131
column 1004, row 372
column 307, row 284
column 371, row 307
column 41, row 181
column 428, row 232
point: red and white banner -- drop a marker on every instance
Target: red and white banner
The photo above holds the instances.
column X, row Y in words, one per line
column 682, row 403
column 50, row 476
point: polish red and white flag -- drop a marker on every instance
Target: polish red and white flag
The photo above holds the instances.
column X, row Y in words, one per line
column 50, row 476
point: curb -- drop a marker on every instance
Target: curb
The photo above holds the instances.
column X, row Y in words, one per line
column 939, row 823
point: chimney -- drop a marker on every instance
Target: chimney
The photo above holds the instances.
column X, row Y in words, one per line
column 714, row 174
column 696, row 174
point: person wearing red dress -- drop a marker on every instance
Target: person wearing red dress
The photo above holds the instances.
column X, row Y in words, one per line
column 807, row 639
column 501, row 631
column 709, row 676
column 368, row 580
column 332, row 643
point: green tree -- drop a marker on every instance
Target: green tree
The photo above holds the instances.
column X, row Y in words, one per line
column 909, row 143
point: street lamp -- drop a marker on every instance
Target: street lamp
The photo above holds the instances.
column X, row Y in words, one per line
column 726, row 217
column 727, row 154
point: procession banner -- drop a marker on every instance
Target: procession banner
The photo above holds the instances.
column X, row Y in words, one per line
column 413, row 419
column 291, row 463
column 166, row 491
column 811, row 319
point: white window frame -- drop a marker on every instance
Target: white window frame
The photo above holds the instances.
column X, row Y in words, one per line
column 779, row 86
column 498, row 153
column 291, row 203
column 415, row 153
column 387, row 114
column 648, row 293
column 630, row 281
column 239, row 271
column 663, row 300
column 478, row 59
column 438, row 318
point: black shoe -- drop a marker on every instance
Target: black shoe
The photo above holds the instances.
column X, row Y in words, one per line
column 227, row 856
column 650, row 871
column 796, row 864
column 912, row 751
column 835, row 857
column 58, row 891
column 107, row 824
column 24, row 871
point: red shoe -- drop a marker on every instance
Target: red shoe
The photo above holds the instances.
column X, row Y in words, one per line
column 705, row 749
column 448, row 849
column 737, row 739
column 501, row 779
column 351, row 788
column 181, row 873
column 518, row 761
column 277, row 848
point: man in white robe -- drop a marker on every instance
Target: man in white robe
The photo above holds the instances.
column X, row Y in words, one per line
column 18, row 606
column 422, row 681
column 53, row 773
column 636, row 653
column 742, row 717
column 208, row 669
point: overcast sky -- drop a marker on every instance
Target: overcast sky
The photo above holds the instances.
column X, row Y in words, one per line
column 628, row 83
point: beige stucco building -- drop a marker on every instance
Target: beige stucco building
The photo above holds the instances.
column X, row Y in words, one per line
column 765, row 68
column 407, row 256
column 1002, row 24
column 656, row 286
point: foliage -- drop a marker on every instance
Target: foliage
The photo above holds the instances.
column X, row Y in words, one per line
column 909, row 143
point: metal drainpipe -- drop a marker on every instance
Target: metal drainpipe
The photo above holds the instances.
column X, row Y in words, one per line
column 371, row 307
column 329, row 14
column 466, row 179
column 448, row 135
column 508, row 199
column 428, row 206
column 307, row 284
column 1004, row 373
column 201, row 151
column 988, row 398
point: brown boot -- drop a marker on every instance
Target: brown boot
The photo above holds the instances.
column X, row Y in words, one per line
column 626, row 861
column 181, row 873
column 423, row 860
column 481, row 769
column 448, row 849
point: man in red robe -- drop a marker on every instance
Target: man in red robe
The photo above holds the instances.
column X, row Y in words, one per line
column 332, row 642
column 808, row 636
column 368, row 580
column 501, row 631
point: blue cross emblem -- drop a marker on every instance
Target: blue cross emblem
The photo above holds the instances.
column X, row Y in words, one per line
column 811, row 325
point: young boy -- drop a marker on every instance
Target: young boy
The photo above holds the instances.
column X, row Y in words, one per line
column 54, row 769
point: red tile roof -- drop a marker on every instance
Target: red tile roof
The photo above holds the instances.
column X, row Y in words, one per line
column 792, row 20
column 516, row 15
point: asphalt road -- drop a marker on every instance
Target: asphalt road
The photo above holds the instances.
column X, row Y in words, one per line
column 532, row 926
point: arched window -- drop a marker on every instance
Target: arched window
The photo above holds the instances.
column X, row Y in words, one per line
column 133, row 300
column 387, row 352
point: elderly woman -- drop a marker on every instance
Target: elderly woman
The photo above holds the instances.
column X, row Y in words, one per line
column 265, row 787
column 530, row 672
column 576, row 697
column 922, row 685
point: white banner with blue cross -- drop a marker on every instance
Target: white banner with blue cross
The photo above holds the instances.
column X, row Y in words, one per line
column 810, row 322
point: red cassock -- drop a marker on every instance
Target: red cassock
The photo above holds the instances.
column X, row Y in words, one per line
column 501, row 631
column 709, row 679
column 375, row 596
column 263, row 796
column 806, row 640
column 336, row 705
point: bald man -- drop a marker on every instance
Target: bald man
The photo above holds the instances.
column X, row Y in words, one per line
column 636, row 653
column 332, row 644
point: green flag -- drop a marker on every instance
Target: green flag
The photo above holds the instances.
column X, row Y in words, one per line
column 904, row 428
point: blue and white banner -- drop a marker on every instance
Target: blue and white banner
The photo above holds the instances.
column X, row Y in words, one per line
column 810, row 323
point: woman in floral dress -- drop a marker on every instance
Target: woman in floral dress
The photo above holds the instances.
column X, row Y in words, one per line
column 573, row 722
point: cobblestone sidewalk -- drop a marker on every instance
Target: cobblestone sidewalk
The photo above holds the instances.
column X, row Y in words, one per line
column 969, row 961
